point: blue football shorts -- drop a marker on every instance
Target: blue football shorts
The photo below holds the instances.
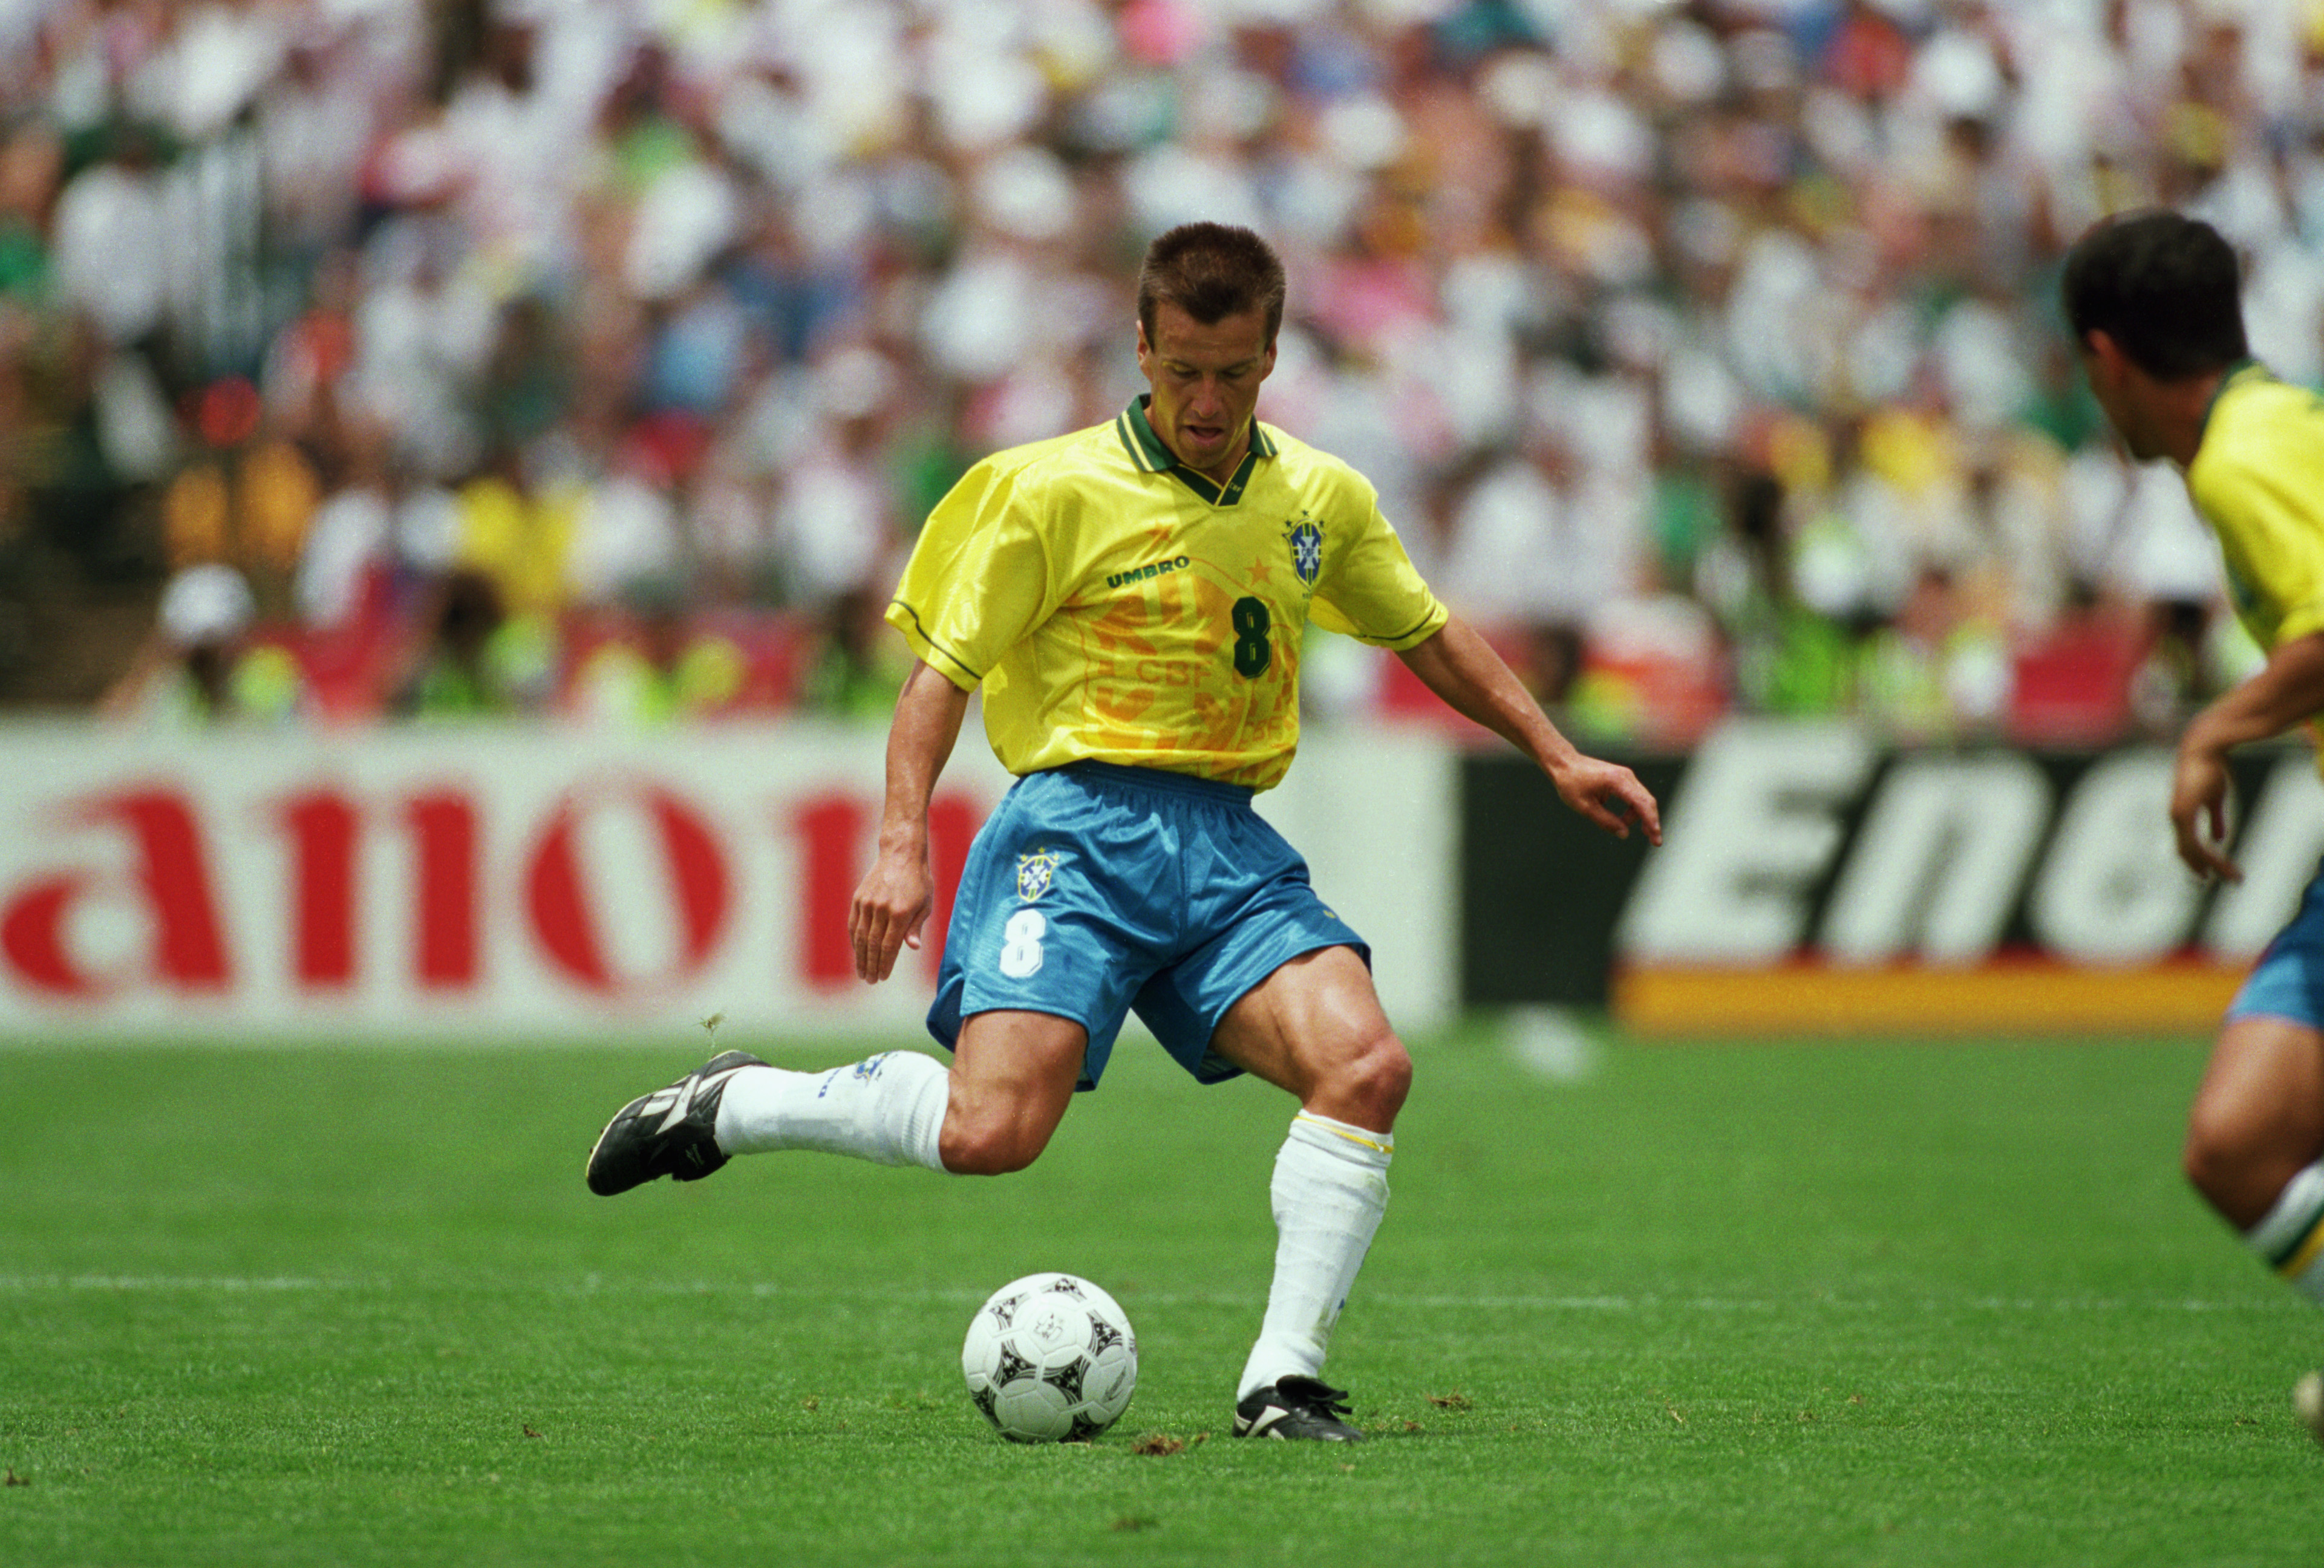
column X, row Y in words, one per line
column 1094, row 889
column 2288, row 981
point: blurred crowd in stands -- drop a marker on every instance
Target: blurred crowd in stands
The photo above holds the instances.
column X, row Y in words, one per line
column 600, row 357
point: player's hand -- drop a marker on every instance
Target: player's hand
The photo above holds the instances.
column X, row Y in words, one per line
column 1610, row 795
column 2199, row 812
column 888, row 911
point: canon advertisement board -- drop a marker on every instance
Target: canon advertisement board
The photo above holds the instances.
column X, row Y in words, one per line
column 549, row 883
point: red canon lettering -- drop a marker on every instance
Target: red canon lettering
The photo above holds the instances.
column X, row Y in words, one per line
column 831, row 830
column 171, row 875
column 31, row 933
column 562, row 907
column 447, row 947
column 322, row 826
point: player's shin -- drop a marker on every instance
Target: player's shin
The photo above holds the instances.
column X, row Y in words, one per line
column 1329, row 1190
column 2290, row 1235
column 888, row 1108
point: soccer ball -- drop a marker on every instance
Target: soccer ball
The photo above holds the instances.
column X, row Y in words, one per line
column 1051, row 1358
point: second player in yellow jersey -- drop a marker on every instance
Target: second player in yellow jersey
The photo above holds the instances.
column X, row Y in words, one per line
column 2153, row 300
column 2258, row 480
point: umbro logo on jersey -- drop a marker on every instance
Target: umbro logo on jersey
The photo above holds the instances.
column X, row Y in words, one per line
column 1151, row 569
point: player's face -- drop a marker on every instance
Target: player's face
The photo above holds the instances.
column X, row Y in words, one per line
column 1205, row 381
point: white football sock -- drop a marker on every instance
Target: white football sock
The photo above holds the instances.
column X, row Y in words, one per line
column 1330, row 1190
column 889, row 1109
column 2290, row 1235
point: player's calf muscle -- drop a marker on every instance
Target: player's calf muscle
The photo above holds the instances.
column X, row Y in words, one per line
column 991, row 1129
column 990, row 1145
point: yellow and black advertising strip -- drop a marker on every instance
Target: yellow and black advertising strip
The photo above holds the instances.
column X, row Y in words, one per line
column 2035, row 997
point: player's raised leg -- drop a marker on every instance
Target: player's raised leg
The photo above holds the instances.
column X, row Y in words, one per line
column 1314, row 1027
column 1011, row 1077
column 991, row 1113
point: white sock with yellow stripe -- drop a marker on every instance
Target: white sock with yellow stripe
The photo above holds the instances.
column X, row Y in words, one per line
column 1329, row 1192
column 2291, row 1236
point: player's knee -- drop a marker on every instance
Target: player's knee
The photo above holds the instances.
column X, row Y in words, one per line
column 2200, row 1161
column 1371, row 1082
column 2227, row 1165
column 1389, row 1074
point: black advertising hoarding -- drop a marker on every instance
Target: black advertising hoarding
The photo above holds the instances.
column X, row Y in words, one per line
column 1814, row 879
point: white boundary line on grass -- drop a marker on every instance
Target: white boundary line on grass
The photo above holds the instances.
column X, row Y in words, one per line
column 184, row 1284
column 591, row 1285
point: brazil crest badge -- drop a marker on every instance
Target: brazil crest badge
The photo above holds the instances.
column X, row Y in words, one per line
column 1035, row 874
column 1305, row 536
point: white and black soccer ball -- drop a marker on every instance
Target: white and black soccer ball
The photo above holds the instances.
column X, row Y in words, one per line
column 1051, row 1358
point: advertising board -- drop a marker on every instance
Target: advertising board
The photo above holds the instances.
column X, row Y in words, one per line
column 1812, row 878
column 504, row 880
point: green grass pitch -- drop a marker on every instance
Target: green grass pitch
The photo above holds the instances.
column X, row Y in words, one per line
column 1798, row 1304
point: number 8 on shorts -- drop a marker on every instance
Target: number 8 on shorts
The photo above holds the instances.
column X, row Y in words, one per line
column 1020, row 954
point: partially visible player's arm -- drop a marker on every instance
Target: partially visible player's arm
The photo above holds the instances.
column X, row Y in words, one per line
column 1460, row 668
column 893, row 901
column 2286, row 689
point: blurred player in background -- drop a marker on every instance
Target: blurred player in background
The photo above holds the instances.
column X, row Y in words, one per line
column 2154, row 304
column 1130, row 599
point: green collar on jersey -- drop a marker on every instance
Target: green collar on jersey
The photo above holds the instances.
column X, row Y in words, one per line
column 1147, row 451
column 2243, row 370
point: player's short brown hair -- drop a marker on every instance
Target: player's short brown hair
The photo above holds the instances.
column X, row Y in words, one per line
column 1210, row 271
column 2166, row 289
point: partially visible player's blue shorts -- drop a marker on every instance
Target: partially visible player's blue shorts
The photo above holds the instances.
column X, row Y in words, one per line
column 1094, row 889
column 2288, row 981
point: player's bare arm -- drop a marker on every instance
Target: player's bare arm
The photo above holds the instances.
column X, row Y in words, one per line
column 893, row 899
column 2285, row 690
column 1463, row 669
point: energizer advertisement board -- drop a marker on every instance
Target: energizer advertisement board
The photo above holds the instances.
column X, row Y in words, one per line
column 1814, row 878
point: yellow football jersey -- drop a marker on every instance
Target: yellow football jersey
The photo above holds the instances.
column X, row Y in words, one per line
column 1115, row 605
column 2258, row 480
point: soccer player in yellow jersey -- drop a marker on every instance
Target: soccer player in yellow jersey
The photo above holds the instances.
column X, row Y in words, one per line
column 2153, row 302
column 1129, row 599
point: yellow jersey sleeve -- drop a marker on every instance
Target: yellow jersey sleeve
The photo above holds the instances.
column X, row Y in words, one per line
column 2258, row 481
column 979, row 579
column 1369, row 588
